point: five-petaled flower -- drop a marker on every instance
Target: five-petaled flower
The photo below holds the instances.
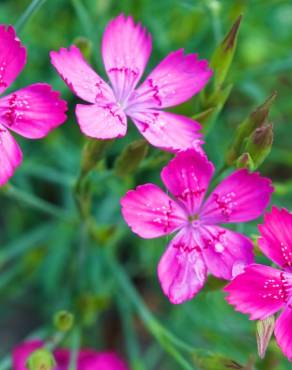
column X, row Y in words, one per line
column 260, row 290
column 87, row 359
column 126, row 48
column 31, row 112
column 200, row 244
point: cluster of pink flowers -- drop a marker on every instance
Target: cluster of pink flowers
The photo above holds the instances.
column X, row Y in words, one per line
column 200, row 245
column 87, row 359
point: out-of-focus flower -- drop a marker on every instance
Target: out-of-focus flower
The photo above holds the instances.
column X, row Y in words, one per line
column 31, row 112
column 200, row 246
column 126, row 48
column 261, row 291
column 87, row 359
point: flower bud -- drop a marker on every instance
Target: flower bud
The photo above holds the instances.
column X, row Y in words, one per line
column 223, row 55
column 85, row 46
column 92, row 153
column 259, row 144
column 245, row 161
column 63, row 320
column 131, row 157
column 41, row 359
column 265, row 329
column 256, row 119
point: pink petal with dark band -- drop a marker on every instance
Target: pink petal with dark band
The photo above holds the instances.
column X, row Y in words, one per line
column 106, row 121
column 182, row 271
column 33, row 111
column 176, row 79
column 150, row 212
column 126, row 47
column 226, row 252
column 168, row 131
column 10, row 155
column 12, row 57
column 240, row 197
column 276, row 237
column 260, row 291
column 187, row 177
column 79, row 76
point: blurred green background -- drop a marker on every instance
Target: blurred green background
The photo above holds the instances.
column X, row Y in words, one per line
column 43, row 268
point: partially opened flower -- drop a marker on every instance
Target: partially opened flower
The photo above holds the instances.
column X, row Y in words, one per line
column 261, row 291
column 126, row 48
column 31, row 112
column 200, row 245
column 87, row 359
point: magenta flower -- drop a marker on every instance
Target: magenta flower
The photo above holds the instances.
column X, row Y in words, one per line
column 31, row 112
column 261, row 291
column 200, row 245
column 126, row 48
column 87, row 359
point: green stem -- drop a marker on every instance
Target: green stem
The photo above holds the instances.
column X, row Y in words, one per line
column 167, row 339
column 74, row 349
column 30, row 10
column 129, row 334
column 37, row 203
column 29, row 241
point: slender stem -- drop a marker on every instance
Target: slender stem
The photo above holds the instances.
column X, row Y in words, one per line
column 29, row 241
column 37, row 203
column 74, row 349
column 30, row 10
column 130, row 335
column 162, row 335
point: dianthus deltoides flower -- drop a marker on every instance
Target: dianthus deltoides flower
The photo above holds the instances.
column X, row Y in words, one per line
column 260, row 290
column 200, row 245
column 125, row 50
column 31, row 112
column 87, row 359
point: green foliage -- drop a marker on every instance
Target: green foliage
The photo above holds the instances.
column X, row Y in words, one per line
column 61, row 228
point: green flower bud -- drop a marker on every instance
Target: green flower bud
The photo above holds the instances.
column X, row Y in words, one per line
column 265, row 329
column 256, row 119
column 223, row 55
column 92, row 153
column 131, row 157
column 41, row 359
column 259, row 144
column 85, row 46
column 245, row 161
column 63, row 320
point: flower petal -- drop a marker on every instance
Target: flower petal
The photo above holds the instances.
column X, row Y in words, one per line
column 168, row 131
column 106, row 121
column 259, row 291
column 10, row 155
column 33, row 111
column 21, row 353
column 79, row 76
column 283, row 332
column 126, row 48
column 182, row 271
column 150, row 212
column 89, row 359
column 187, row 177
column 242, row 196
column 226, row 252
column 176, row 79
column 275, row 241
column 12, row 56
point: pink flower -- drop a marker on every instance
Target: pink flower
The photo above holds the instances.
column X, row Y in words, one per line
column 126, row 48
column 200, row 245
column 31, row 112
column 88, row 359
column 261, row 291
